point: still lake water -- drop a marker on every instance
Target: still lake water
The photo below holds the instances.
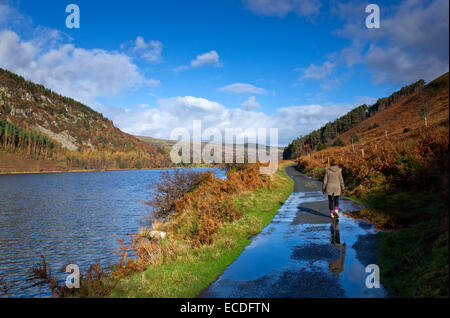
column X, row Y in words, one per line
column 68, row 218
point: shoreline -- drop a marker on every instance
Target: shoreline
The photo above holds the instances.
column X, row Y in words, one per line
column 197, row 268
column 96, row 170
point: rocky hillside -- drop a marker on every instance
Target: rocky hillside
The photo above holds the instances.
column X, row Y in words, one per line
column 38, row 124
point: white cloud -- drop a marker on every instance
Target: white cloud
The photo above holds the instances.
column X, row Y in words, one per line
column 75, row 72
column 412, row 43
column 15, row 54
column 139, row 44
column 151, row 51
column 151, row 82
column 281, row 8
column 210, row 58
column 251, row 103
column 9, row 16
column 368, row 100
column 143, row 106
column 322, row 73
column 242, row 88
column 5, row 12
column 318, row 71
column 182, row 111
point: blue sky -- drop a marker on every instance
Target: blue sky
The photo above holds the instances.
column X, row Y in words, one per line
column 289, row 64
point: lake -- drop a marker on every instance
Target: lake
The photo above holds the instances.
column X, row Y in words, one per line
column 68, row 218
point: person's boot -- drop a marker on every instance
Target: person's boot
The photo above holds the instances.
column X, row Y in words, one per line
column 336, row 211
column 332, row 214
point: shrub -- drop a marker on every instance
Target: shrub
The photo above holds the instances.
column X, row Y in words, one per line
column 407, row 170
column 95, row 282
column 171, row 188
column 375, row 125
column 339, row 142
column 354, row 137
column 197, row 205
column 317, row 173
column 322, row 147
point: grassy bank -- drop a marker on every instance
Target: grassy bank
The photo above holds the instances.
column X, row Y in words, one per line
column 194, row 268
column 414, row 257
column 414, row 253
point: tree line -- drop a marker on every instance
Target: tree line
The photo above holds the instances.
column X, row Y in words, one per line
column 101, row 144
column 319, row 138
column 33, row 145
column 13, row 138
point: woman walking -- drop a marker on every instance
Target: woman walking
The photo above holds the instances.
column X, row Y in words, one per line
column 333, row 186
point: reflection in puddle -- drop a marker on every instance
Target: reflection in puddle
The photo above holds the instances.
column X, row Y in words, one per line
column 294, row 256
column 337, row 266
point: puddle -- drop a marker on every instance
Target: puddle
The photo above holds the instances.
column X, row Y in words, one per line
column 303, row 253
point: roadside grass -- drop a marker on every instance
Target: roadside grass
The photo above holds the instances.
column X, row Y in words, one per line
column 316, row 173
column 414, row 255
column 399, row 209
column 414, row 262
column 414, row 258
column 194, row 268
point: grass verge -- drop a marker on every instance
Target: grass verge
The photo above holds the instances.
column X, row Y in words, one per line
column 195, row 268
column 414, row 256
column 414, row 261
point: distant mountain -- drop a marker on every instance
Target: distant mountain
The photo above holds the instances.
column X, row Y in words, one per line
column 41, row 130
column 165, row 146
column 334, row 132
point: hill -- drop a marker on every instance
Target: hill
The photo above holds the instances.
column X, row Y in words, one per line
column 398, row 167
column 404, row 119
column 46, row 131
column 165, row 146
column 320, row 138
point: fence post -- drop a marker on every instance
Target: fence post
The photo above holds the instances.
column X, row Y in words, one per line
column 328, row 161
column 362, row 153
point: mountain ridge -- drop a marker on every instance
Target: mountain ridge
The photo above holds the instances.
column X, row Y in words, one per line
column 320, row 138
column 81, row 137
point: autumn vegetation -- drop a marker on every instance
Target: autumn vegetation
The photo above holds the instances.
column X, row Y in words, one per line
column 208, row 222
column 208, row 228
column 398, row 167
column 29, row 112
column 321, row 138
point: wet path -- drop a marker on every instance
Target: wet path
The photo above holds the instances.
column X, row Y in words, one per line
column 303, row 253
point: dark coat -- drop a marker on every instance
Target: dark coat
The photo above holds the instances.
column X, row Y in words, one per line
column 333, row 183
